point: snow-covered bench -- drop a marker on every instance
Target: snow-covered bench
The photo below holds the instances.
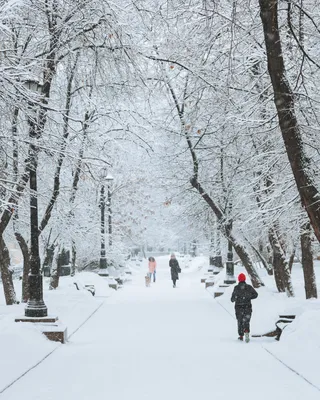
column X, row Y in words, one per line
column 283, row 321
column 220, row 290
column 90, row 288
column 209, row 282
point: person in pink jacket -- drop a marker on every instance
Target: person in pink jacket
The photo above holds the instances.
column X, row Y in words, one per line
column 152, row 268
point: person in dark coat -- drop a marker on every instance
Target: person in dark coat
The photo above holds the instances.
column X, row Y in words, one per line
column 242, row 296
column 175, row 269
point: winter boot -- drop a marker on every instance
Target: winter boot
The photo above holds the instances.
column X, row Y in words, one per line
column 240, row 338
column 246, row 335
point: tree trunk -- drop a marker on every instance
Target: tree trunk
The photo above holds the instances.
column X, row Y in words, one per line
column 194, row 180
column 26, row 266
column 62, row 259
column 278, row 267
column 55, row 275
column 291, row 259
column 48, row 259
column 6, row 274
column 261, row 257
column 307, row 263
column 73, row 258
column 281, row 268
column 284, row 102
column 54, row 279
column 239, row 249
column 246, row 261
column 75, row 183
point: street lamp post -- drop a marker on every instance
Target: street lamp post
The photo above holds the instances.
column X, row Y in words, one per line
column 230, row 279
column 35, row 306
column 103, row 261
column 109, row 180
column 216, row 260
column 103, row 265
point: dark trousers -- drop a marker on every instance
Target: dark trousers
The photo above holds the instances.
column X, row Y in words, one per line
column 243, row 314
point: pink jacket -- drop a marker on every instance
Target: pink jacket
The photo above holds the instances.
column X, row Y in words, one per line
column 152, row 266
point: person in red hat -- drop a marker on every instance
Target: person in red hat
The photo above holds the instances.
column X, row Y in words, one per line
column 242, row 296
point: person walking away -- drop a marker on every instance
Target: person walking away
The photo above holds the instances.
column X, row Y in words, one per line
column 242, row 296
column 152, row 268
column 175, row 269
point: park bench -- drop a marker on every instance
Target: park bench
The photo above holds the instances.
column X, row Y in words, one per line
column 119, row 281
column 209, row 282
column 283, row 321
column 113, row 284
column 220, row 291
column 90, row 288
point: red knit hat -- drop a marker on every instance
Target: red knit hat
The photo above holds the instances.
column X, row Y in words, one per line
column 241, row 277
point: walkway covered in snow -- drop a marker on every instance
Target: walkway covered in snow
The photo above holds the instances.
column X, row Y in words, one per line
column 160, row 343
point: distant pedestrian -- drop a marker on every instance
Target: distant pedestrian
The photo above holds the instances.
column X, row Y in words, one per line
column 175, row 269
column 152, row 268
column 242, row 296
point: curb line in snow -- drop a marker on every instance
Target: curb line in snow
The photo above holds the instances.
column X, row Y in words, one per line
column 85, row 321
column 274, row 356
column 47, row 355
column 290, row 368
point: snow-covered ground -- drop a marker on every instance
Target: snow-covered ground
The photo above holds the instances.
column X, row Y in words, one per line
column 161, row 343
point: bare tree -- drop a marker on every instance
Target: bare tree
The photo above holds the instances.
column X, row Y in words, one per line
column 285, row 105
column 310, row 284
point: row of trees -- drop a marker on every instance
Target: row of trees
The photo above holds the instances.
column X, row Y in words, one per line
column 66, row 114
column 215, row 65
column 207, row 102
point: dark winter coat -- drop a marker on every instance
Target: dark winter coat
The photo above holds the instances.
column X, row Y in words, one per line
column 242, row 295
column 175, row 269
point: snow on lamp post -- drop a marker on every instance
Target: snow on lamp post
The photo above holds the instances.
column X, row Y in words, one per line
column 35, row 306
column 230, row 279
column 102, row 203
column 109, row 180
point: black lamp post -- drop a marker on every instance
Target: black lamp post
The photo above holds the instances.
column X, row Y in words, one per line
column 230, row 279
column 216, row 259
column 35, row 306
column 109, row 180
column 102, row 203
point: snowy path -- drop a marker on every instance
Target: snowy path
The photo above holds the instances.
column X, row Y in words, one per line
column 160, row 343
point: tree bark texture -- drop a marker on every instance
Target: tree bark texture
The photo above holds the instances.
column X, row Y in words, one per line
column 246, row 261
column 280, row 265
column 26, row 266
column 291, row 259
column 261, row 257
column 284, row 102
column 307, row 263
column 63, row 258
column 73, row 258
column 6, row 274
